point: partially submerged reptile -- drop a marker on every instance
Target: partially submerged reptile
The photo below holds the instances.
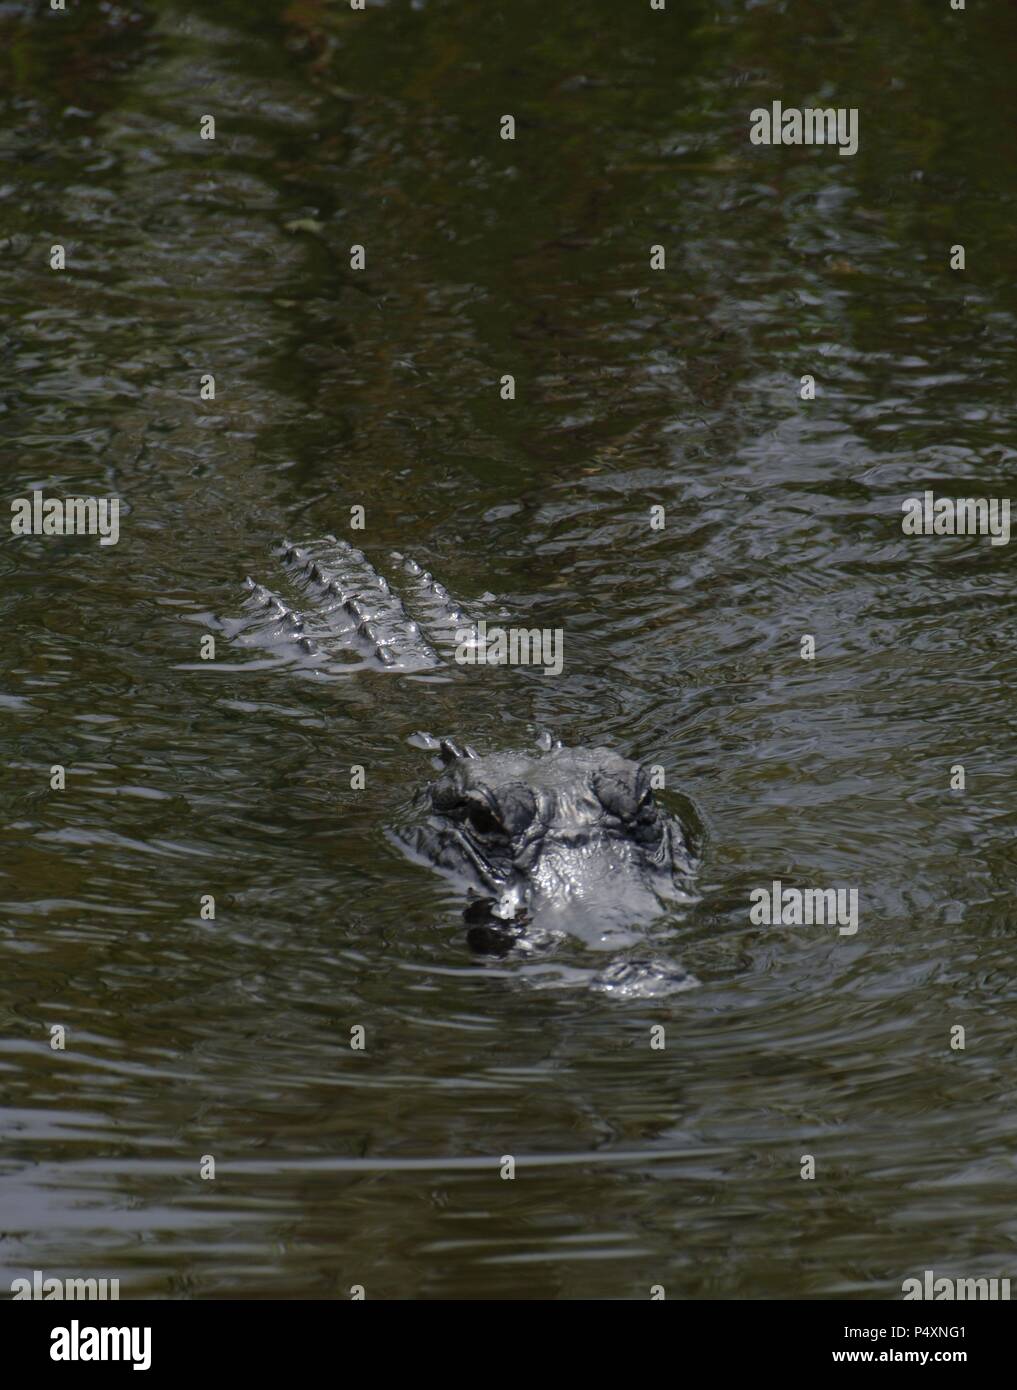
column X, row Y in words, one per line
column 558, row 841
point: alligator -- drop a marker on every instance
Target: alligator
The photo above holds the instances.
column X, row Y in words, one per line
column 355, row 619
column 557, row 842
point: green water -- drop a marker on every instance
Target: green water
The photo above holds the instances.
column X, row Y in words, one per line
column 379, row 388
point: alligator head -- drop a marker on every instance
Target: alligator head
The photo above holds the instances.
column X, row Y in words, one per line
column 572, row 841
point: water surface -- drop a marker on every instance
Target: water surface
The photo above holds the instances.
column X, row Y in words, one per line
column 336, row 388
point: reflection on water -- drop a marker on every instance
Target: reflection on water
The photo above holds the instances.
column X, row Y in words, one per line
column 337, row 388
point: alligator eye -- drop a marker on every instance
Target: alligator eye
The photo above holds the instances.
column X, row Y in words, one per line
column 483, row 821
column 618, row 792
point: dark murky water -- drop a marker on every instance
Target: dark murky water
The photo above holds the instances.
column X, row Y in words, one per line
column 378, row 388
